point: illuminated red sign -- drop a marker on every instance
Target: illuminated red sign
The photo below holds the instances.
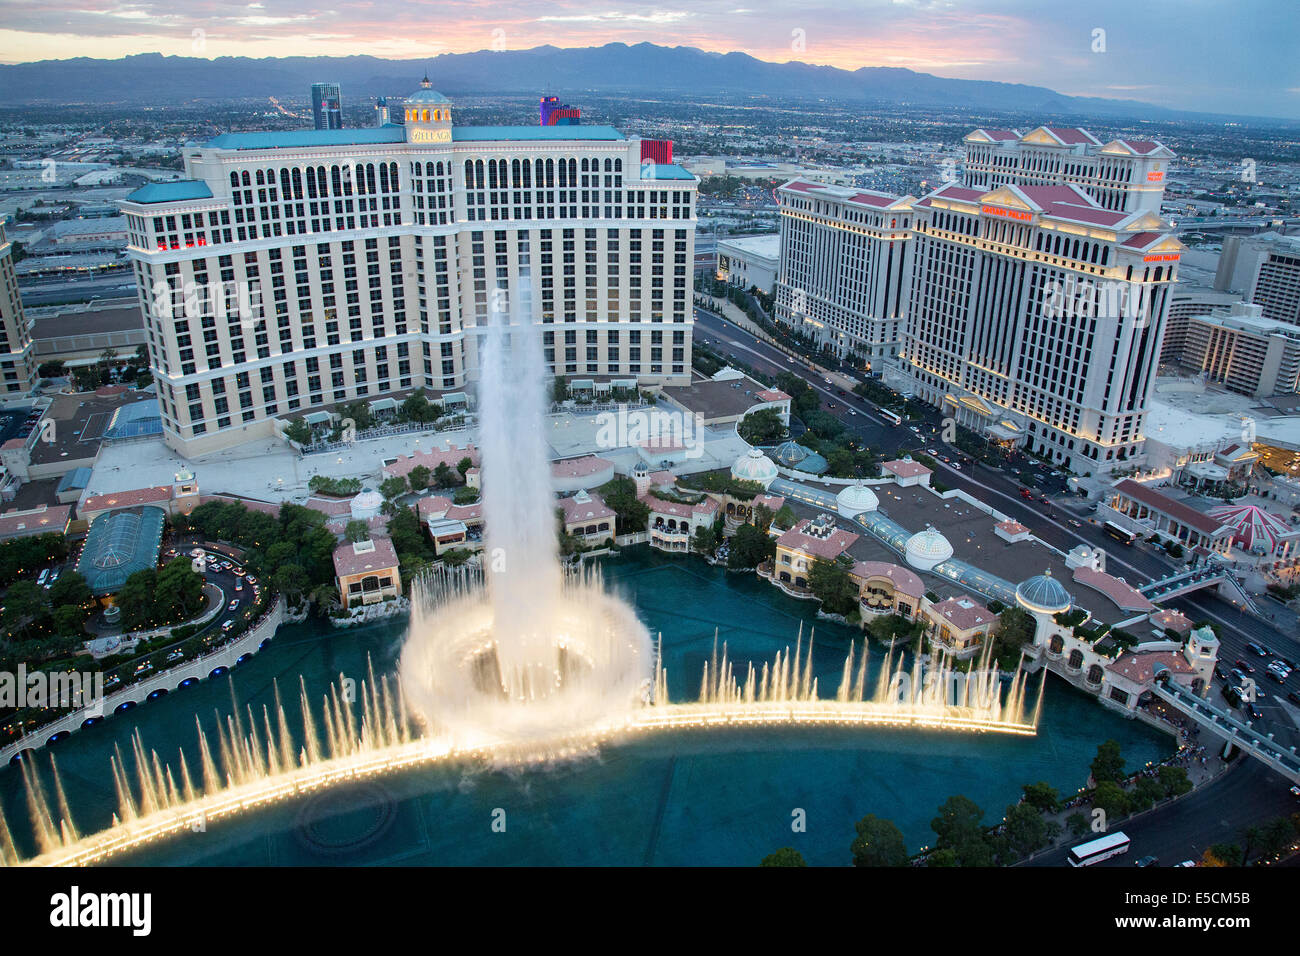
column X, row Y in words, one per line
column 1008, row 213
column 1155, row 176
column 1163, row 257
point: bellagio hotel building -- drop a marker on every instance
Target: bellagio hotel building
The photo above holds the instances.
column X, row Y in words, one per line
column 292, row 271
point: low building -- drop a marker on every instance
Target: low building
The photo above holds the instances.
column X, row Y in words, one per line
column 573, row 474
column 366, row 571
column 181, row 497
column 451, row 525
column 1244, row 352
column 118, row 545
column 587, row 517
column 809, row 541
column 42, row 519
column 886, row 589
column 959, row 626
column 907, row 472
column 81, row 336
column 750, row 261
column 1145, row 510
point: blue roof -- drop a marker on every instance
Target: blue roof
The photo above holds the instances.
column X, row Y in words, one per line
column 461, row 134
column 77, row 479
column 171, row 192
column 381, row 135
column 118, row 545
column 298, row 138
column 668, row 171
column 138, row 418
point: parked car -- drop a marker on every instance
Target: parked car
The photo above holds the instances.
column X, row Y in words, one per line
column 1147, row 861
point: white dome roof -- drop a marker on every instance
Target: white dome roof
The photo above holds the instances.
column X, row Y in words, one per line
column 366, row 504
column 754, row 466
column 927, row 548
column 855, row 499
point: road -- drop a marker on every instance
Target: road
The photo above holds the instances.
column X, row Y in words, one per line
column 1049, row 522
column 115, row 285
column 1219, row 812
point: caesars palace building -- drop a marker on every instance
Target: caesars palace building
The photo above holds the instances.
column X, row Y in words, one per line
column 295, row 270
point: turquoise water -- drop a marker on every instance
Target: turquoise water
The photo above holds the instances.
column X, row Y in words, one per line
column 690, row 798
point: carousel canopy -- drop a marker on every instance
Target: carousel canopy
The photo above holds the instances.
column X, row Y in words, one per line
column 1253, row 527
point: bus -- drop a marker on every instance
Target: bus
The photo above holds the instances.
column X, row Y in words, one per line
column 892, row 417
column 1086, row 854
column 1119, row 533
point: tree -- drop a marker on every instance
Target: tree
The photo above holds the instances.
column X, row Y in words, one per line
column 24, row 608
column 749, row 547
column 407, row 534
column 786, row 856
column 356, row 530
column 71, row 588
column 958, row 821
column 464, row 465
column 465, row 496
column 631, row 514
column 299, row 431
column 878, row 843
column 419, row 477
column 762, row 427
column 1108, row 764
column 830, row 582
column 706, row 539
column 785, row 519
column 136, row 599
column 1077, row 823
column 1111, row 798
column 1015, row 629
column 1145, row 793
column 1222, row 854
column 69, row 620
column 178, row 592
column 291, row 581
column 393, row 487
column 1042, row 795
column 443, row 476
column 1026, row 828
column 1174, row 780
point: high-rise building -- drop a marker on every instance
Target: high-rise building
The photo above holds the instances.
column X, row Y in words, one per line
column 327, row 105
column 551, row 112
column 843, row 267
column 1186, row 303
column 1124, row 175
column 17, row 368
column 1035, row 317
column 1266, row 271
column 390, row 109
column 1244, row 352
column 376, row 255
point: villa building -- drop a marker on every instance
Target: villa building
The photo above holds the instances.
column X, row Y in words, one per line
column 451, row 525
column 588, row 518
column 959, row 626
column 352, row 263
column 809, row 541
column 366, row 572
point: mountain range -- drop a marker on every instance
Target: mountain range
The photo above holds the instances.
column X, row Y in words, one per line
column 644, row 68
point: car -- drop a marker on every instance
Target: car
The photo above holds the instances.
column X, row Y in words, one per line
column 250, row 579
column 852, row 411
column 1295, row 792
column 1076, row 523
column 1237, row 675
column 228, row 625
column 1290, row 664
column 1293, row 696
column 175, row 655
column 1186, row 863
column 931, row 452
column 43, row 578
column 790, row 359
column 143, row 667
column 112, row 681
column 827, row 381
column 239, row 585
column 1147, row 861
column 1253, row 710
column 233, row 604
column 196, row 553
column 956, row 466
column 1258, row 650
column 1219, row 672
column 1248, row 668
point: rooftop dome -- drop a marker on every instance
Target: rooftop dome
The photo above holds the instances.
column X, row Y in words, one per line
column 426, row 95
column 754, row 466
column 1043, row 595
column 790, row 453
column 927, row 548
column 855, row 499
column 366, row 504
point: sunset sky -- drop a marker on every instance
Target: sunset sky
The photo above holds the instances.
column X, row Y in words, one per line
column 1236, row 57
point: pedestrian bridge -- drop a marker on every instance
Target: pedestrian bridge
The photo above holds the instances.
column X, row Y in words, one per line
column 1227, row 725
column 1206, row 576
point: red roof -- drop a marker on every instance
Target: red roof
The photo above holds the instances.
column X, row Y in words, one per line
column 1141, row 240
column 1140, row 668
column 964, row 612
column 431, row 459
column 827, row 548
column 583, row 467
column 1090, row 214
column 590, row 508
column 905, row 469
column 773, row 395
column 903, row 580
column 349, row 561
column 1072, row 135
column 126, row 499
column 38, row 520
column 1122, row 594
column 1171, row 508
column 1142, row 146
